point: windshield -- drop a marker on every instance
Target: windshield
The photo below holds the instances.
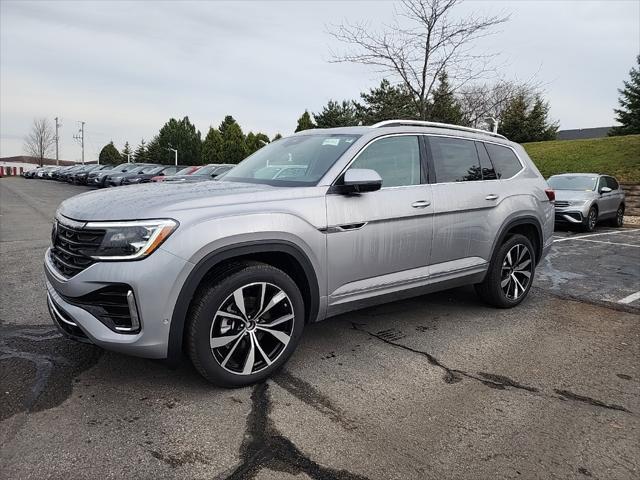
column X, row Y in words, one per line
column 185, row 171
column 573, row 182
column 300, row 160
column 206, row 170
column 152, row 170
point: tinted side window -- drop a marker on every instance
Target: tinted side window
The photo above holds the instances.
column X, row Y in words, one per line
column 396, row 159
column 612, row 183
column 455, row 160
column 488, row 173
column 602, row 182
column 504, row 160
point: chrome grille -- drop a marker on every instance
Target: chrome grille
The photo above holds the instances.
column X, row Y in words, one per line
column 562, row 203
column 72, row 246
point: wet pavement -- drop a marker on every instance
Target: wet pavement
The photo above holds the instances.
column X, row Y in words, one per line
column 435, row 387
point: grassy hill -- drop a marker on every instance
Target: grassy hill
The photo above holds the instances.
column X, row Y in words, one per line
column 617, row 156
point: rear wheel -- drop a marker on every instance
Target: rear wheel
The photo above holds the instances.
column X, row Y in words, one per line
column 510, row 274
column 243, row 327
column 589, row 223
column 618, row 220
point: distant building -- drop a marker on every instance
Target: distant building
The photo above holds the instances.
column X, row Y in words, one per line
column 583, row 133
column 28, row 163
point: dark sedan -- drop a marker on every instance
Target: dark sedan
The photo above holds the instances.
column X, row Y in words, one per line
column 114, row 179
column 145, row 176
column 98, row 179
column 80, row 177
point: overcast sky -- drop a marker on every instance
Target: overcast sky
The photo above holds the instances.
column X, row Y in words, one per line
column 126, row 68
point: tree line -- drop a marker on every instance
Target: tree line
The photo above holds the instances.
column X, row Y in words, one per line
column 225, row 144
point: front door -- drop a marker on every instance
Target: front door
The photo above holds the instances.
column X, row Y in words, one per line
column 380, row 239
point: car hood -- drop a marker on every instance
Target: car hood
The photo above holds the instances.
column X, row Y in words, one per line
column 575, row 195
column 167, row 199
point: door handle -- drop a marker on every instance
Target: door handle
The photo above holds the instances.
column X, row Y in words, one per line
column 421, row 204
column 493, row 196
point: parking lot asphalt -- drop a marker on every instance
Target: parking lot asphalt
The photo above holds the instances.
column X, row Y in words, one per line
column 435, row 387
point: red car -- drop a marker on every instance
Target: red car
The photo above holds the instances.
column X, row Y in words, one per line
column 184, row 171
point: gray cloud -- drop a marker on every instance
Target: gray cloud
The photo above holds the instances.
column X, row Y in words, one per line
column 126, row 67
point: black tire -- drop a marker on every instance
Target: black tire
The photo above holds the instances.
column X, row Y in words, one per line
column 211, row 298
column 491, row 290
column 618, row 220
column 590, row 222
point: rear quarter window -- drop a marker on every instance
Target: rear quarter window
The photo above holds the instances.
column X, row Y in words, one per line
column 504, row 161
column 612, row 183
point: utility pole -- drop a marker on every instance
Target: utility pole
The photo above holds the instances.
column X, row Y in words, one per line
column 80, row 138
column 175, row 154
column 57, row 142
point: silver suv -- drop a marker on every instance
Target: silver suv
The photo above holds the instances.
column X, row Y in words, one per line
column 584, row 199
column 230, row 271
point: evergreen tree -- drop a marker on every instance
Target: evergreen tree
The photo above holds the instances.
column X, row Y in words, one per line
column 538, row 127
column 513, row 123
column 155, row 153
column 525, row 119
column 305, row 122
column 255, row 141
column 182, row 136
column 233, row 143
column 386, row 102
column 444, row 107
column 109, row 155
column 628, row 115
column 140, row 154
column 277, row 136
column 335, row 114
column 212, row 150
column 228, row 121
column 126, row 152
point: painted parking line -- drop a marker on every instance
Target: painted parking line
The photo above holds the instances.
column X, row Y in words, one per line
column 607, row 243
column 630, row 298
column 612, row 232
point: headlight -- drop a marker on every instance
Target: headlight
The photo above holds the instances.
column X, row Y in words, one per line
column 131, row 240
column 134, row 180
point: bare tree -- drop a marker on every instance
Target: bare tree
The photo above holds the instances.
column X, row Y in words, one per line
column 40, row 140
column 417, row 53
column 484, row 103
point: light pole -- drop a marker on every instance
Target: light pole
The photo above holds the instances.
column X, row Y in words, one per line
column 175, row 154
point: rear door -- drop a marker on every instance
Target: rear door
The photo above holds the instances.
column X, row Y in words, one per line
column 617, row 194
column 380, row 239
column 467, row 194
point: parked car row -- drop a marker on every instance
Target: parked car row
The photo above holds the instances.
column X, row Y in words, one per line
column 127, row 173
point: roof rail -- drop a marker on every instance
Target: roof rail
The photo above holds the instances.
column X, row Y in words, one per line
column 422, row 123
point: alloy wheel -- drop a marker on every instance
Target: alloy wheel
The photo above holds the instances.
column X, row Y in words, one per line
column 252, row 328
column 592, row 219
column 620, row 216
column 517, row 269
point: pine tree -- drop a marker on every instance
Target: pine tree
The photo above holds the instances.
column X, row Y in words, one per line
column 444, row 107
column 513, row 123
column 305, row 122
column 233, row 144
column 126, row 152
column 386, row 102
column 537, row 127
column 109, row 155
column 277, row 136
column 140, row 154
column 255, row 142
column 335, row 114
column 525, row 119
column 183, row 136
column 628, row 115
column 212, row 149
column 228, row 121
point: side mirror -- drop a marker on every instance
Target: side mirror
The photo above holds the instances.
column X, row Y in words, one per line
column 360, row 180
column 605, row 190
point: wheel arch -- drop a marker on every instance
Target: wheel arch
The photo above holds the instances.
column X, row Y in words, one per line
column 279, row 253
column 528, row 226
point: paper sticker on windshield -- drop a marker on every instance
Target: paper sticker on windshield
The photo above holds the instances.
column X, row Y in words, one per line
column 331, row 141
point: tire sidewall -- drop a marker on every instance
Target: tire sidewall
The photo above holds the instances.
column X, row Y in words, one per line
column 587, row 223
column 201, row 328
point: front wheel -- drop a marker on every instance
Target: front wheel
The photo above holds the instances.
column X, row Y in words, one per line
column 243, row 327
column 510, row 274
column 589, row 224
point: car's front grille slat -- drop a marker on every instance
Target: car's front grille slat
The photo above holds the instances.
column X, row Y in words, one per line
column 562, row 203
column 71, row 248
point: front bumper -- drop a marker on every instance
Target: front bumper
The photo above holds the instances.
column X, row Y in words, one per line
column 155, row 282
column 572, row 214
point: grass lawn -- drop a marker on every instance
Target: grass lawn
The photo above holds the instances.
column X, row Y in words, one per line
column 617, row 156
